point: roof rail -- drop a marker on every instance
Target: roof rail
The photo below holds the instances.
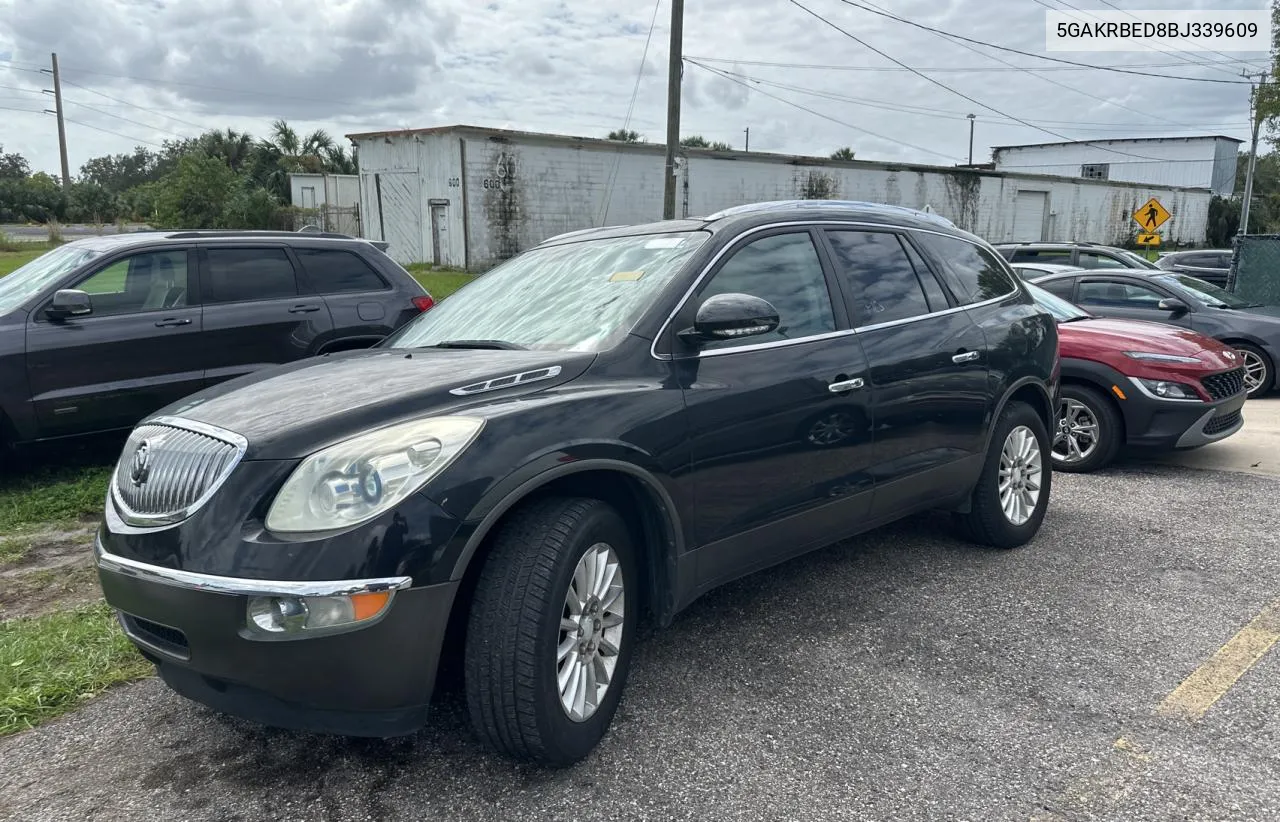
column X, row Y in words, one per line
column 579, row 231
column 231, row 232
column 831, row 204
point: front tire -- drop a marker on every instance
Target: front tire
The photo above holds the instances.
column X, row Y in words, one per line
column 1012, row 494
column 1259, row 371
column 1089, row 432
column 550, row 631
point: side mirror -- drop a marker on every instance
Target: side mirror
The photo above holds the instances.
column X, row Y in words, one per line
column 1172, row 304
column 69, row 302
column 732, row 316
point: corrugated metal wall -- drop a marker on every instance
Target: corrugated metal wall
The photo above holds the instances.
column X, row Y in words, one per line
column 519, row 190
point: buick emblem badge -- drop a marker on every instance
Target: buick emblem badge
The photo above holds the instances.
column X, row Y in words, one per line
column 141, row 468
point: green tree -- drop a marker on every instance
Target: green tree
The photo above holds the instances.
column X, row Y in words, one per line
column 845, row 153
column 195, row 194
column 249, row 206
column 698, row 141
column 90, row 202
column 118, row 173
column 13, row 166
column 623, row 135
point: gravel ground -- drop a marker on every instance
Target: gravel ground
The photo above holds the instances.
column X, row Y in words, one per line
column 903, row 675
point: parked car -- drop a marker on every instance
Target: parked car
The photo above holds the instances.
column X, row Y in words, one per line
column 1079, row 255
column 609, row 424
column 100, row 332
column 1030, row 271
column 1148, row 385
column 1253, row 330
column 1210, row 265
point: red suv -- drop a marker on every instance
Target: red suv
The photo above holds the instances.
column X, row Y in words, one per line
column 1127, row 382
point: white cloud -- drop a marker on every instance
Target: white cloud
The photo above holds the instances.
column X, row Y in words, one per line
column 552, row 65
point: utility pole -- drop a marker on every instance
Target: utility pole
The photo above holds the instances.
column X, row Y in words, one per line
column 675, row 69
column 1253, row 153
column 62, row 128
column 971, row 120
column 748, row 145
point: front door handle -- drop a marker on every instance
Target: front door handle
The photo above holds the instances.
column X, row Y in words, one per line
column 845, row 385
column 966, row 356
column 303, row 309
column 171, row 322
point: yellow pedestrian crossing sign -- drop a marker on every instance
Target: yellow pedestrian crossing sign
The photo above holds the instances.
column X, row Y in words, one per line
column 1151, row 215
column 1148, row 238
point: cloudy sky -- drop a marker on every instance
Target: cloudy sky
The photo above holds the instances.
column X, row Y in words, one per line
column 142, row 71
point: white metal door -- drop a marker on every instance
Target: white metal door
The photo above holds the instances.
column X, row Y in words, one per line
column 401, row 212
column 439, row 234
column 1028, row 216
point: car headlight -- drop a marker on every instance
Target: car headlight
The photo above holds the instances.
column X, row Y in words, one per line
column 1152, row 356
column 1167, row 390
column 356, row 480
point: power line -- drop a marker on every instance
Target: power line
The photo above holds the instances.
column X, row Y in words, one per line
column 1039, row 56
column 626, row 121
column 135, row 105
column 126, row 119
column 1185, row 58
column 31, row 110
column 961, row 94
column 733, row 79
column 116, row 133
column 34, row 91
column 980, row 69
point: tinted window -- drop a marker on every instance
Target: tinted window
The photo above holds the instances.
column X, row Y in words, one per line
column 881, row 281
column 1114, row 294
column 973, row 273
column 239, row 274
column 1089, row 259
column 1062, row 287
column 152, row 281
column 785, row 270
column 1059, row 256
column 333, row 271
column 1221, row 261
column 932, row 290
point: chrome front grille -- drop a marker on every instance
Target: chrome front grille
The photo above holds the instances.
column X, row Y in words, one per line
column 170, row 468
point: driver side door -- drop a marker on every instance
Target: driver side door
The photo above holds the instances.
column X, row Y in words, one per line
column 139, row 350
column 1127, row 298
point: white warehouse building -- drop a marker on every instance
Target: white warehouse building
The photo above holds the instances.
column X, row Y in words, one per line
column 1189, row 162
column 471, row 197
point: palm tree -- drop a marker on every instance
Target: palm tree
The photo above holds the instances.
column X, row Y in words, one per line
column 299, row 154
column 232, row 146
column 845, row 153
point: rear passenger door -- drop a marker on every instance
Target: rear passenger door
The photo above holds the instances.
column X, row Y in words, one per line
column 364, row 307
column 928, row 366
column 1126, row 298
column 254, row 315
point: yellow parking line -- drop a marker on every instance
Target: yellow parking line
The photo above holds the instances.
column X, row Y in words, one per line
column 1210, row 681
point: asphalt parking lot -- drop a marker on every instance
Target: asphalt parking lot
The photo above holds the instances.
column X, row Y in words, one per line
column 903, row 675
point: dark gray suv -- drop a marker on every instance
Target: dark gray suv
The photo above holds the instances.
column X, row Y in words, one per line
column 100, row 332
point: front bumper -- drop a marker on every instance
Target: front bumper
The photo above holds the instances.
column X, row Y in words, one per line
column 375, row 680
column 1165, row 424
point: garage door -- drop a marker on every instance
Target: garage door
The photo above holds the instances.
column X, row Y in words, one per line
column 1028, row 216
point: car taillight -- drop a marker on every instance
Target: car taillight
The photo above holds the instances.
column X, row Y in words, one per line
column 423, row 303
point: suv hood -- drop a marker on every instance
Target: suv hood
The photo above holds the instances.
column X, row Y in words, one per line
column 1118, row 336
column 293, row 410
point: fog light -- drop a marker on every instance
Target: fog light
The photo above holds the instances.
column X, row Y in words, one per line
column 283, row 616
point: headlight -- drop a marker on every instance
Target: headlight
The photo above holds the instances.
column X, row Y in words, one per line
column 1167, row 390
column 354, row 481
column 1152, row 356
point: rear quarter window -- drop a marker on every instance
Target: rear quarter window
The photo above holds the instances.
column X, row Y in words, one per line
column 335, row 271
column 973, row 273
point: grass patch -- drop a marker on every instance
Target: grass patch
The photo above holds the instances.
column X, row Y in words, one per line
column 52, row 494
column 439, row 282
column 13, row 549
column 12, row 260
column 50, row 664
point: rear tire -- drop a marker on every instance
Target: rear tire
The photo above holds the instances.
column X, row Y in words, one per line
column 1258, row 368
column 1011, row 497
column 1092, row 434
column 520, row 626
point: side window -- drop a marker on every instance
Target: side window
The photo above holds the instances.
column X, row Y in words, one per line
column 785, row 270
column 1113, row 294
column 1061, row 288
column 240, row 274
column 332, row 271
column 973, row 273
column 1060, row 256
column 1221, row 261
column 882, row 283
column 1089, row 259
column 151, row 281
column 932, row 289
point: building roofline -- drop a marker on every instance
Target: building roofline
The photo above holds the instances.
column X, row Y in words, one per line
column 657, row 149
column 1121, row 140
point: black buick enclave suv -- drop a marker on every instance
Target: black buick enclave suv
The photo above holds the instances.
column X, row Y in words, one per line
column 602, row 428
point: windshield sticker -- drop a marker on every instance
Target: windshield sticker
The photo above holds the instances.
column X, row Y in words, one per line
column 664, row 242
column 625, row 276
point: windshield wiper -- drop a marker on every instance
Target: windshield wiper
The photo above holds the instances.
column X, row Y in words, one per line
column 1077, row 319
column 498, row 344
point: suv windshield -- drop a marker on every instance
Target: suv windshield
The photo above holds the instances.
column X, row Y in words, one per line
column 583, row 296
column 1207, row 293
column 1062, row 311
column 40, row 272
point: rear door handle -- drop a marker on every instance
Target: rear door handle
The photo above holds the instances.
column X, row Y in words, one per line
column 966, row 356
column 171, row 322
column 303, row 309
column 845, row 385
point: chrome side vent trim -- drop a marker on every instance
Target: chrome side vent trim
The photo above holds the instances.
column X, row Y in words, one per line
column 496, row 383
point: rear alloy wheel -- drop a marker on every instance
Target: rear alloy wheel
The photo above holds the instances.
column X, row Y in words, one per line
column 1012, row 494
column 1258, row 374
column 1089, row 431
column 550, row 630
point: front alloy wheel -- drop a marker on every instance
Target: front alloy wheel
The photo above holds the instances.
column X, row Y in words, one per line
column 590, row 632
